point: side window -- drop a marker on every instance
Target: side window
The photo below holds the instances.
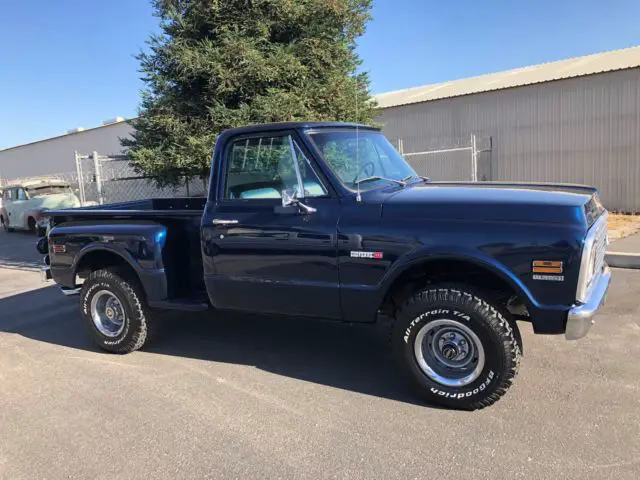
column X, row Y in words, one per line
column 8, row 194
column 21, row 194
column 262, row 167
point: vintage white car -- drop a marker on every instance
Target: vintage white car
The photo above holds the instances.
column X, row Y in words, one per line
column 24, row 204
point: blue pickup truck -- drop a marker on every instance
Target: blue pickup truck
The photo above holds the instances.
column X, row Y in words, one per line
column 328, row 221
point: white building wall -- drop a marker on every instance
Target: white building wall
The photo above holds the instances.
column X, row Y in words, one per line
column 56, row 155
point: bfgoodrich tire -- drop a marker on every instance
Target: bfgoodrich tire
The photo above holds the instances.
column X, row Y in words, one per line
column 456, row 347
column 114, row 311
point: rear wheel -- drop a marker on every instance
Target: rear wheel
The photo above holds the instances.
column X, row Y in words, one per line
column 456, row 347
column 114, row 311
column 31, row 225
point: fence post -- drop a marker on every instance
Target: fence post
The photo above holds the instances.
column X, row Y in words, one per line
column 491, row 159
column 474, row 159
column 79, row 174
column 96, row 165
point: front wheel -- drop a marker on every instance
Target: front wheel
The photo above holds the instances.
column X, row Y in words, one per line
column 457, row 348
column 5, row 225
column 114, row 311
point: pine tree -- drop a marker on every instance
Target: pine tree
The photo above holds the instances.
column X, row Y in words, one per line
column 219, row 64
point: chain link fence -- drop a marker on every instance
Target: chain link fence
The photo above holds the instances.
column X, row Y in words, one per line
column 112, row 179
column 467, row 159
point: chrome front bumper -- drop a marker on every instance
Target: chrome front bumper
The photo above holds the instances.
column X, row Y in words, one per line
column 580, row 317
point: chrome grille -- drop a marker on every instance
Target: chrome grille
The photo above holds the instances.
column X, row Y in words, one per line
column 593, row 255
column 600, row 245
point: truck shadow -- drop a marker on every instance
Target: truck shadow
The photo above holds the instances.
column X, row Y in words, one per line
column 332, row 354
column 327, row 353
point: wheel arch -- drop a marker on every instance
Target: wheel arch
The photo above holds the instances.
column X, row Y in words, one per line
column 101, row 257
column 458, row 268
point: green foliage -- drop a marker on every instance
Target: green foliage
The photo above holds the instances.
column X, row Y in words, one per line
column 226, row 63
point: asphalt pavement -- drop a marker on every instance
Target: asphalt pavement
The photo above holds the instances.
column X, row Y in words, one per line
column 221, row 396
column 629, row 244
column 625, row 252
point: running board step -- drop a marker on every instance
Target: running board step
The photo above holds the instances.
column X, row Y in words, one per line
column 189, row 305
column 70, row 291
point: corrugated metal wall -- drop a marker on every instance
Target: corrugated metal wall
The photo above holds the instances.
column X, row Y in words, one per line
column 580, row 130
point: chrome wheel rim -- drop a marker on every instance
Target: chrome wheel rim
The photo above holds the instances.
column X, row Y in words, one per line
column 107, row 313
column 449, row 352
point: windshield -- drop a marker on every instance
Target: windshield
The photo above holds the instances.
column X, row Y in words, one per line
column 372, row 164
column 49, row 190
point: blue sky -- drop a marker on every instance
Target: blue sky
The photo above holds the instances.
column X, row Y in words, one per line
column 69, row 63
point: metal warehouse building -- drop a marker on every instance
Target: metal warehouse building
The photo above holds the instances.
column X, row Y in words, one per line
column 56, row 155
column 573, row 121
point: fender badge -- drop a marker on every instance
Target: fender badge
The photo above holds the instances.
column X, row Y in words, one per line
column 373, row 255
column 549, row 278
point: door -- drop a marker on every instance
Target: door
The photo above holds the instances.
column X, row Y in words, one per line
column 260, row 255
column 7, row 198
column 19, row 207
column 11, row 207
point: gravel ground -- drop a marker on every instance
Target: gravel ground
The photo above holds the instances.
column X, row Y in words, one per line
column 236, row 397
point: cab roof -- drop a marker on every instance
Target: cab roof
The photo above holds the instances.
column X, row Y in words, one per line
column 36, row 183
column 268, row 127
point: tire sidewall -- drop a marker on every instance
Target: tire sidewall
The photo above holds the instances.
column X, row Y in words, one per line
column 488, row 380
column 89, row 290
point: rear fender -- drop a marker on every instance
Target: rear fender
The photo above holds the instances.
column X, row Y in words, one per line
column 138, row 246
column 153, row 281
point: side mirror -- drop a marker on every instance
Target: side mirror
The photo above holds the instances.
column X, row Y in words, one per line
column 290, row 200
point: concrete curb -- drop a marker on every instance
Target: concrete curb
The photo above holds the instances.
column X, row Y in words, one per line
column 623, row 260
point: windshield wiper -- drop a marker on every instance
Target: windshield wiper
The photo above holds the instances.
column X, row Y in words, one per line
column 409, row 177
column 374, row 178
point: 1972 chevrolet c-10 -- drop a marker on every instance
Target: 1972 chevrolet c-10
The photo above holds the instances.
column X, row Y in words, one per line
column 327, row 220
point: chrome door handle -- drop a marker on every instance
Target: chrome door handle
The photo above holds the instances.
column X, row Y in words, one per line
column 219, row 221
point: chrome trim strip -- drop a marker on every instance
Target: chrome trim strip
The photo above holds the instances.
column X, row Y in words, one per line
column 68, row 292
column 580, row 317
column 219, row 221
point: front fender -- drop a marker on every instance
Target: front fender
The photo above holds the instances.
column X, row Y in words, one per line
column 546, row 318
column 34, row 213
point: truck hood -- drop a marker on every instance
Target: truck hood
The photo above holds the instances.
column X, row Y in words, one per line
column 517, row 202
column 57, row 201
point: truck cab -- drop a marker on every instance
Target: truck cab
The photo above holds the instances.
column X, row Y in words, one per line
column 328, row 221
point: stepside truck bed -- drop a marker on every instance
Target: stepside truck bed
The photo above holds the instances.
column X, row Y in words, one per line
column 120, row 225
